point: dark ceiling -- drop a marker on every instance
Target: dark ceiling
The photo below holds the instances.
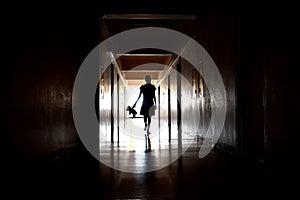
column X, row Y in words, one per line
column 114, row 24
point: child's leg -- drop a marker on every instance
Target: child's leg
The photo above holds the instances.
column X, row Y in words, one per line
column 145, row 121
column 149, row 122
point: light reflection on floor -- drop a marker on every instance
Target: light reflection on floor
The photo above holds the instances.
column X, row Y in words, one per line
column 132, row 136
column 130, row 156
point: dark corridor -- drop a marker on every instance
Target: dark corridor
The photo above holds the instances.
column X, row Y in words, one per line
column 255, row 47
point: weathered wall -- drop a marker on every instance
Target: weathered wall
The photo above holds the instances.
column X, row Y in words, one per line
column 269, row 97
column 43, row 49
column 195, row 111
column 218, row 33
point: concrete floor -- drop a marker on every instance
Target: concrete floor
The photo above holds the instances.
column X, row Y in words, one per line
column 76, row 174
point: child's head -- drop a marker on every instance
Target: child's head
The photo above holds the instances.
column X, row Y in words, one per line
column 148, row 79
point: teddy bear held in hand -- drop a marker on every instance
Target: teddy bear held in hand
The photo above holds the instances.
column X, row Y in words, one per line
column 131, row 111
